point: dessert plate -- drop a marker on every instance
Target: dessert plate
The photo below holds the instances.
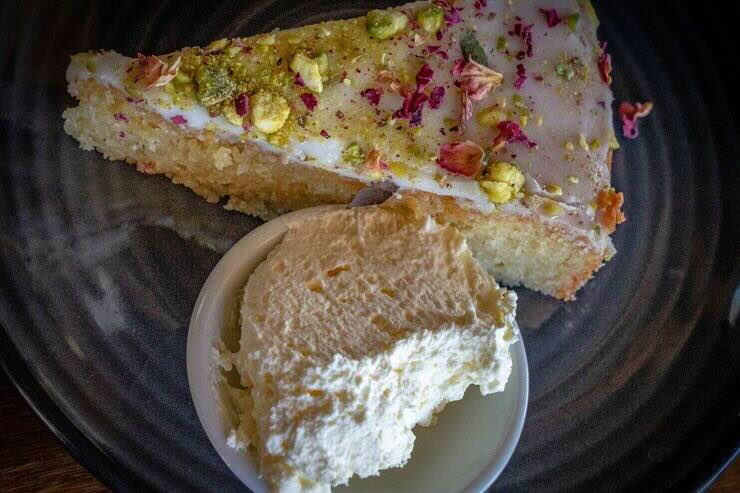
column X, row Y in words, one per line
column 633, row 385
column 465, row 451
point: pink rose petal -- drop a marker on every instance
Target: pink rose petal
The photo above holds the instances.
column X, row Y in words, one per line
column 309, row 100
column 630, row 113
column 461, row 158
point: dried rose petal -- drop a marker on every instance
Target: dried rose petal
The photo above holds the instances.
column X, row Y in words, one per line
column 524, row 32
column 241, row 104
column 324, row 134
column 608, row 207
column 373, row 161
column 552, row 17
column 298, row 80
column 372, row 95
column 457, row 66
column 477, row 80
column 436, row 96
column 480, row 4
column 630, row 113
column 510, row 132
column 436, row 50
column 521, row 76
column 467, row 110
column 152, row 71
column 452, row 16
column 461, row 158
column 424, row 77
column 413, row 101
column 605, row 64
column 120, row 117
column 309, row 100
column 179, row 120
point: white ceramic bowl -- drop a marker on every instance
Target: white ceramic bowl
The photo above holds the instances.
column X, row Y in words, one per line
column 464, row 452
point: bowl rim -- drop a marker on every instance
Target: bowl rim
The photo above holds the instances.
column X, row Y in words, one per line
column 232, row 272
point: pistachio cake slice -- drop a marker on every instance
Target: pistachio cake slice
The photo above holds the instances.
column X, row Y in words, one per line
column 492, row 116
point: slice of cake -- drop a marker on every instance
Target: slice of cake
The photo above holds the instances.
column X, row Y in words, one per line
column 491, row 116
column 360, row 325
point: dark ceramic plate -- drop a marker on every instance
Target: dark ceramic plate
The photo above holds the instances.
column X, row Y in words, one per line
column 634, row 385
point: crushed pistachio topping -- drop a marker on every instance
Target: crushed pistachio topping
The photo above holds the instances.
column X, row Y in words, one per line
column 554, row 189
column 502, row 181
column 570, row 68
column 308, row 69
column 430, row 19
column 269, row 111
column 214, row 84
column 353, row 154
column 384, row 24
column 573, row 179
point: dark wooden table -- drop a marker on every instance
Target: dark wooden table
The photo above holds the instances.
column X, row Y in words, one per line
column 32, row 460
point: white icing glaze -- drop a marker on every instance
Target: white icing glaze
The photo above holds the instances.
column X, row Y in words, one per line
column 568, row 116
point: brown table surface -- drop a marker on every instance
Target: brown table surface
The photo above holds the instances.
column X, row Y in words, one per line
column 31, row 459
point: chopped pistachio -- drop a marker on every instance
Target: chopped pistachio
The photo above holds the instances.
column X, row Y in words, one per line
column 383, row 24
column 497, row 192
column 214, row 84
column 554, row 189
column 518, row 101
column 265, row 40
column 594, row 144
column 501, row 43
column 506, row 173
column 573, row 179
column 182, row 77
column 551, row 208
column 489, row 117
column 353, row 154
column 268, row 111
column 569, row 146
column 524, row 119
column 399, row 169
column 217, row 45
column 540, row 121
column 308, row 69
column 572, row 21
column 233, row 50
column 583, row 143
column 430, row 19
column 565, row 71
column 346, row 82
column 231, row 116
